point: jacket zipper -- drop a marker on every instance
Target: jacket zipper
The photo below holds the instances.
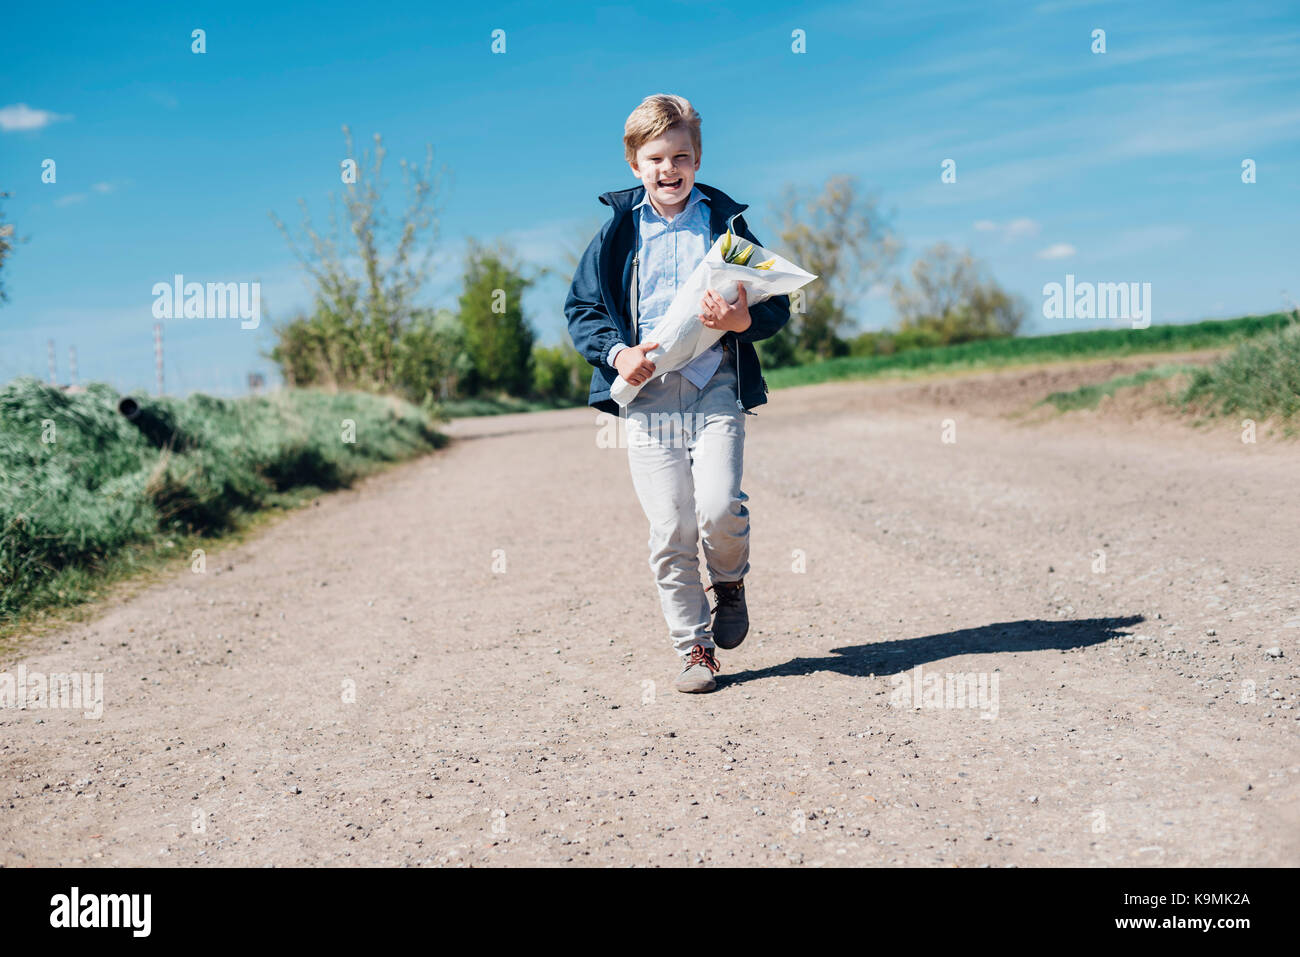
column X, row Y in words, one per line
column 635, row 306
column 740, row 404
column 636, row 259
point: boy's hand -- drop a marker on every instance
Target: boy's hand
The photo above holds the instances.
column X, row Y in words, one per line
column 632, row 364
column 716, row 313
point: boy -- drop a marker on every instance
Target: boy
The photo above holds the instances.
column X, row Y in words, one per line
column 686, row 429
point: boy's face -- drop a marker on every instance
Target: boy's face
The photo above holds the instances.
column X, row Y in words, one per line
column 666, row 166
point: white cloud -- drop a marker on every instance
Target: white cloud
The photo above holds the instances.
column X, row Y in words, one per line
column 1021, row 227
column 20, row 116
column 1163, row 137
column 1142, row 241
column 1016, row 229
column 71, row 199
column 1057, row 251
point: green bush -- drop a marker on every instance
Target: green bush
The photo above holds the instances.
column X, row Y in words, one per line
column 560, row 375
column 79, row 484
column 432, row 361
column 782, row 351
column 1259, row 379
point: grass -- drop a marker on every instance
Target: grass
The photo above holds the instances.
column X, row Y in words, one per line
column 967, row 357
column 1259, row 379
column 1088, row 396
column 88, row 498
column 1032, row 350
column 495, row 405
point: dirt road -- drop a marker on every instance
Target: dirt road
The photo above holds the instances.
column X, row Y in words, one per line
column 463, row 660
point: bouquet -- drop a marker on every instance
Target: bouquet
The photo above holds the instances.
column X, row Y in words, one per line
column 725, row 267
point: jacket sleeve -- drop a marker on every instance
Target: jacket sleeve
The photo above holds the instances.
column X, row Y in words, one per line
column 592, row 330
column 768, row 317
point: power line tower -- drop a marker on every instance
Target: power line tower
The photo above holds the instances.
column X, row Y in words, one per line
column 53, row 377
column 72, row 365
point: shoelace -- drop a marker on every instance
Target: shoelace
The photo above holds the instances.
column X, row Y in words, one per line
column 702, row 656
column 727, row 595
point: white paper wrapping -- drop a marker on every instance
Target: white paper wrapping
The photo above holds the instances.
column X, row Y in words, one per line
column 680, row 333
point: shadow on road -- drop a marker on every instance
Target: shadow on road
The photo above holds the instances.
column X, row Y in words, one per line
column 893, row 657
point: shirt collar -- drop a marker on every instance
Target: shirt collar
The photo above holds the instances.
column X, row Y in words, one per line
column 694, row 197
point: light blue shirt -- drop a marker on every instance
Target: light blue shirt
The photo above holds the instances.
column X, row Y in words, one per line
column 670, row 249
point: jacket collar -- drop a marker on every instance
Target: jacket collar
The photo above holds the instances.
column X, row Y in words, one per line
column 724, row 208
column 696, row 196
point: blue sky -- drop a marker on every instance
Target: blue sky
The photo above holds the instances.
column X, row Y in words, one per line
column 1122, row 166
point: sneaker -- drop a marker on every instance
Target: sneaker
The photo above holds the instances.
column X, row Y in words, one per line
column 730, row 614
column 697, row 676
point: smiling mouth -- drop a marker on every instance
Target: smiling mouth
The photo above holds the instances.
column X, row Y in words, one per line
column 670, row 184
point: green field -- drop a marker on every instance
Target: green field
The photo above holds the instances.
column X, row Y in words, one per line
column 87, row 497
column 1031, row 350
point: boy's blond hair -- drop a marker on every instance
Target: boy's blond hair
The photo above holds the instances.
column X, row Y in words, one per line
column 656, row 115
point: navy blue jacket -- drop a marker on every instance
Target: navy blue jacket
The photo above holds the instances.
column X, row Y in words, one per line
column 598, row 306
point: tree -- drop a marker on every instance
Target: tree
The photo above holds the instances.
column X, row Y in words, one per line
column 497, row 336
column 848, row 243
column 779, row 350
column 365, row 286
column 432, row 363
column 952, row 300
column 560, row 374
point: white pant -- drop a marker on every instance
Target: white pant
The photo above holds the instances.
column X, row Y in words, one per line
column 686, row 453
